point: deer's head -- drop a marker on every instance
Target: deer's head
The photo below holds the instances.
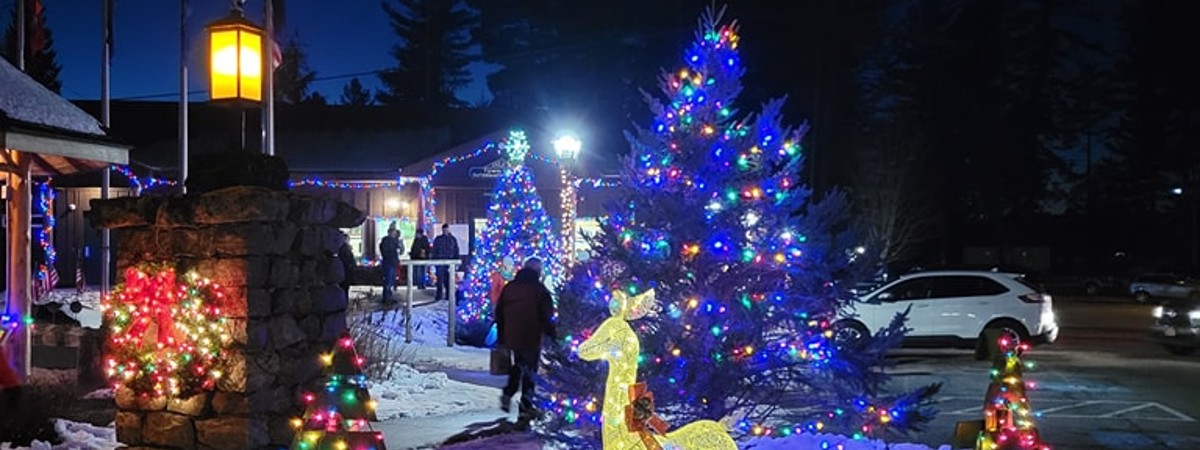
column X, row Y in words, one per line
column 615, row 337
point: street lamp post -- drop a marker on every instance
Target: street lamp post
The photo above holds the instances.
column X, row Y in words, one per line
column 567, row 147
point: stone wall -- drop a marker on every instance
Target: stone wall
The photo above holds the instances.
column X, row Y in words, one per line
column 272, row 252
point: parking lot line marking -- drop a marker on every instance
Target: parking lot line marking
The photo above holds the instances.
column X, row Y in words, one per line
column 967, row 410
column 1125, row 410
column 1182, row 416
column 1068, row 406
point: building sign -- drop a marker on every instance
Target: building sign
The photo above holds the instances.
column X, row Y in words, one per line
column 492, row 170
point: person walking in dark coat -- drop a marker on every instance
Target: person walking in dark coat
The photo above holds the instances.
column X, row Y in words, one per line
column 389, row 257
column 444, row 247
column 524, row 314
column 345, row 254
column 420, row 250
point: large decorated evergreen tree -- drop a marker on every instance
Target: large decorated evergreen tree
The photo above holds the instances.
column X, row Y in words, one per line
column 517, row 228
column 748, row 267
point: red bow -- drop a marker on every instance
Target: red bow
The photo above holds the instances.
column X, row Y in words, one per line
column 640, row 417
column 158, row 296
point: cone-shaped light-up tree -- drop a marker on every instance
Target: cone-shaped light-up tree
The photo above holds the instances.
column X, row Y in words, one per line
column 338, row 416
column 517, row 228
column 1007, row 417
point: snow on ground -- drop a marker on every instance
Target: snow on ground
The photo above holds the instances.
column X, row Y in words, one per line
column 409, row 393
column 828, row 441
column 76, row 436
column 428, row 348
column 89, row 316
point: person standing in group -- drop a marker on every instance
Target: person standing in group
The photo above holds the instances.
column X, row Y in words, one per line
column 524, row 313
column 389, row 257
column 420, row 250
column 345, row 254
column 445, row 246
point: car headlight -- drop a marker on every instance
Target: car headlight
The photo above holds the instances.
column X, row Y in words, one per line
column 1194, row 315
column 1164, row 313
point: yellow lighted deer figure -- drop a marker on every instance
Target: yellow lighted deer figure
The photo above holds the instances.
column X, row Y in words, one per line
column 614, row 341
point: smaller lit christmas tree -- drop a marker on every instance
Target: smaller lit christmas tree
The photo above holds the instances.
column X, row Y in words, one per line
column 338, row 416
column 1007, row 417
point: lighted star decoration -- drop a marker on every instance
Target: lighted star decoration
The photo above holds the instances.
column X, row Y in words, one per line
column 516, row 148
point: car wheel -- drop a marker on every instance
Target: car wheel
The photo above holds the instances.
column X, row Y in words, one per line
column 850, row 334
column 1141, row 296
column 1178, row 350
column 981, row 346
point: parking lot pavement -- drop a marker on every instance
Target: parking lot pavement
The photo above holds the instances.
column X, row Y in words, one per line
column 1097, row 388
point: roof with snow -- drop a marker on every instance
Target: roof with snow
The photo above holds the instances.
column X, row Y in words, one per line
column 25, row 100
column 62, row 138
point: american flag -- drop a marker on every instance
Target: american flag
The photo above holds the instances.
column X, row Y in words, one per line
column 80, row 279
column 47, row 278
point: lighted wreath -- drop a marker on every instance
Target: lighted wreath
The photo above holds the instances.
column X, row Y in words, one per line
column 166, row 332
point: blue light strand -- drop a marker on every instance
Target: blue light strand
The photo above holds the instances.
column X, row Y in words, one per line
column 45, row 234
column 140, row 183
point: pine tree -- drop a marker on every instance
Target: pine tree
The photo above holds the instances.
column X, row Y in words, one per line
column 517, row 228
column 435, row 50
column 354, row 94
column 40, row 56
column 293, row 76
column 748, row 268
column 338, row 416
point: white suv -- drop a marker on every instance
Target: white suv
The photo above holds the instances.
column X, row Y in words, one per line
column 953, row 308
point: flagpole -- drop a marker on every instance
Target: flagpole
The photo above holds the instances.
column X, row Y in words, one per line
column 269, row 81
column 183, row 97
column 21, row 35
column 106, row 180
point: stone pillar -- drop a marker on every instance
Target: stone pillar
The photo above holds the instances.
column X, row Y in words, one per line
column 272, row 253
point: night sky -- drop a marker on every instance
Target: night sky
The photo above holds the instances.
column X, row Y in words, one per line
column 342, row 39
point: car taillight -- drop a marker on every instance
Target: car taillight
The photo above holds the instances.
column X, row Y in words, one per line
column 1035, row 298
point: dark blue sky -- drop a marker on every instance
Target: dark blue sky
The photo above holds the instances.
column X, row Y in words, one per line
column 341, row 38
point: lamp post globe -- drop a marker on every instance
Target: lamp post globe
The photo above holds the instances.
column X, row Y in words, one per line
column 567, row 147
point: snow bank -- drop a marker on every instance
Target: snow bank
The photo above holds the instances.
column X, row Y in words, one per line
column 409, row 393
column 76, row 436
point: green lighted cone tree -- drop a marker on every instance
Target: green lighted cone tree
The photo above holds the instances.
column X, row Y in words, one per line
column 338, row 416
column 1007, row 417
column 748, row 268
column 517, row 228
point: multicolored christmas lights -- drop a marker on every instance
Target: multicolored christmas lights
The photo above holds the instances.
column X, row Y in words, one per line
column 45, row 234
column 141, row 183
column 517, row 228
column 746, row 265
column 1007, row 417
column 338, row 416
column 167, row 332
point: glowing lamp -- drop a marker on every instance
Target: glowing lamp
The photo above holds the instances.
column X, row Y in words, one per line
column 567, row 147
column 235, row 59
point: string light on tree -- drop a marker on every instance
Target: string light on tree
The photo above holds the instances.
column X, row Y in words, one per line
column 166, row 332
column 338, row 416
column 517, row 228
column 746, row 266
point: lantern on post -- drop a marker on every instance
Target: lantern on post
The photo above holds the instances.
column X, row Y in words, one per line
column 235, row 60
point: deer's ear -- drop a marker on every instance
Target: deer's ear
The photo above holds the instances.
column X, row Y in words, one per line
column 640, row 305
